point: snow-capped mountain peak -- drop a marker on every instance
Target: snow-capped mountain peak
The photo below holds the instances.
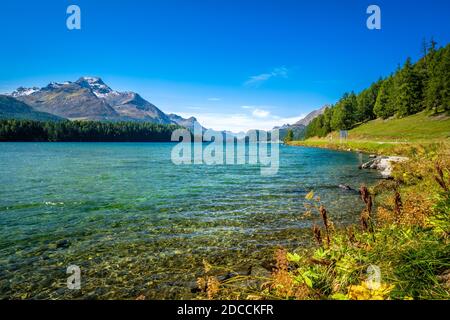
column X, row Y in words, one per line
column 21, row 91
column 98, row 87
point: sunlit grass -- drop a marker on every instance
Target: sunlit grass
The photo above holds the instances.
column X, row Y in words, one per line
column 389, row 137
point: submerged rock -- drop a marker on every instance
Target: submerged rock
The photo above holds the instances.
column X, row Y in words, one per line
column 63, row 244
column 346, row 187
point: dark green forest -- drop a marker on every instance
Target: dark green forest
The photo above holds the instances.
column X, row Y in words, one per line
column 84, row 131
column 424, row 85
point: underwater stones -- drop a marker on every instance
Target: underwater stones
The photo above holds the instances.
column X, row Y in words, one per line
column 346, row 187
column 62, row 244
column 45, row 256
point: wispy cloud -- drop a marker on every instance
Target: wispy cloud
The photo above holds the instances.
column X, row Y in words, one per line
column 259, row 113
column 256, row 81
column 214, row 99
column 237, row 122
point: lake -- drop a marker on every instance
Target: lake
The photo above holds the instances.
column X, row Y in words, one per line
column 135, row 223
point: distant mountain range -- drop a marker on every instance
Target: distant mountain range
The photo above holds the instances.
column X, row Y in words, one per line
column 300, row 126
column 88, row 98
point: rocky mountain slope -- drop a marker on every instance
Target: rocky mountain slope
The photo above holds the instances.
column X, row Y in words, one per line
column 11, row 108
column 310, row 117
column 299, row 127
column 89, row 98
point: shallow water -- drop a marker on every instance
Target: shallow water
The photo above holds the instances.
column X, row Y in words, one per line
column 137, row 224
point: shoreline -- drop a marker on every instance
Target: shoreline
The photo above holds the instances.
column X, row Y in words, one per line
column 381, row 162
column 411, row 212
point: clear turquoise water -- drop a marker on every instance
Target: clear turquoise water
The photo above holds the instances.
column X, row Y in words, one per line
column 137, row 224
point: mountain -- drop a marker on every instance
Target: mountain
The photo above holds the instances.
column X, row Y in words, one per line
column 89, row 98
column 11, row 108
column 311, row 116
column 299, row 127
column 131, row 106
column 187, row 123
column 298, row 130
column 128, row 105
column 97, row 86
column 21, row 91
column 69, row 100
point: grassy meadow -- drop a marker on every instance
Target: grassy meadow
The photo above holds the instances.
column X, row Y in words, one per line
column 395, row 136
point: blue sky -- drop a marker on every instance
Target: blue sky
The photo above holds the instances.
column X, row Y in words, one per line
column 233, row 64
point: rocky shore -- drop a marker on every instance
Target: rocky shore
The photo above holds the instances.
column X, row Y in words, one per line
column 383, row 164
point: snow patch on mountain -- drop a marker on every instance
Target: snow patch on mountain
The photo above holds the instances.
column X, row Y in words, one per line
column 21, row 91
column 98, row 87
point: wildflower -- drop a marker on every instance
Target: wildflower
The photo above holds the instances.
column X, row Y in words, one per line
column 363, row 292
column 206, row 266
column 212, row 287
column 310, row 195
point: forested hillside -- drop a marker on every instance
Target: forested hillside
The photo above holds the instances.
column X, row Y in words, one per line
column 412, row 88
column 84, row 131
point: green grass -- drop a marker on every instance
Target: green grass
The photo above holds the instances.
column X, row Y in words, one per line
column 416, row 128
column 354, row 145
column 388, row 137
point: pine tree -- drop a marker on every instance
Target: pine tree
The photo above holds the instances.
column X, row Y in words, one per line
column 384, row 105
column 432, row 98
column 289, row 136
column 366, row 101
column 344, row 113
column 444, row 74
column 408, row 91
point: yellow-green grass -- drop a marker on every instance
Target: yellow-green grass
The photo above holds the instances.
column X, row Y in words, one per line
column 389, row 137
column 416, row 128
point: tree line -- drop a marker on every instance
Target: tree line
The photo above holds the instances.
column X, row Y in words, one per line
column 424, row 85
column 84, row 131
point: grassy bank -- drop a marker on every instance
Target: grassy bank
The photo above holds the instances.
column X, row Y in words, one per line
column 389, row 137
column 400, row 249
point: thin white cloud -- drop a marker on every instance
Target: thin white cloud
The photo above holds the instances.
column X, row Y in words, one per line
column 259, row 113
column 214, row 99
column 237, row 122
column 256, row 81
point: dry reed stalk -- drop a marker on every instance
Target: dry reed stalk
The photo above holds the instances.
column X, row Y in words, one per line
column 324, row 215
column 317, row 235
